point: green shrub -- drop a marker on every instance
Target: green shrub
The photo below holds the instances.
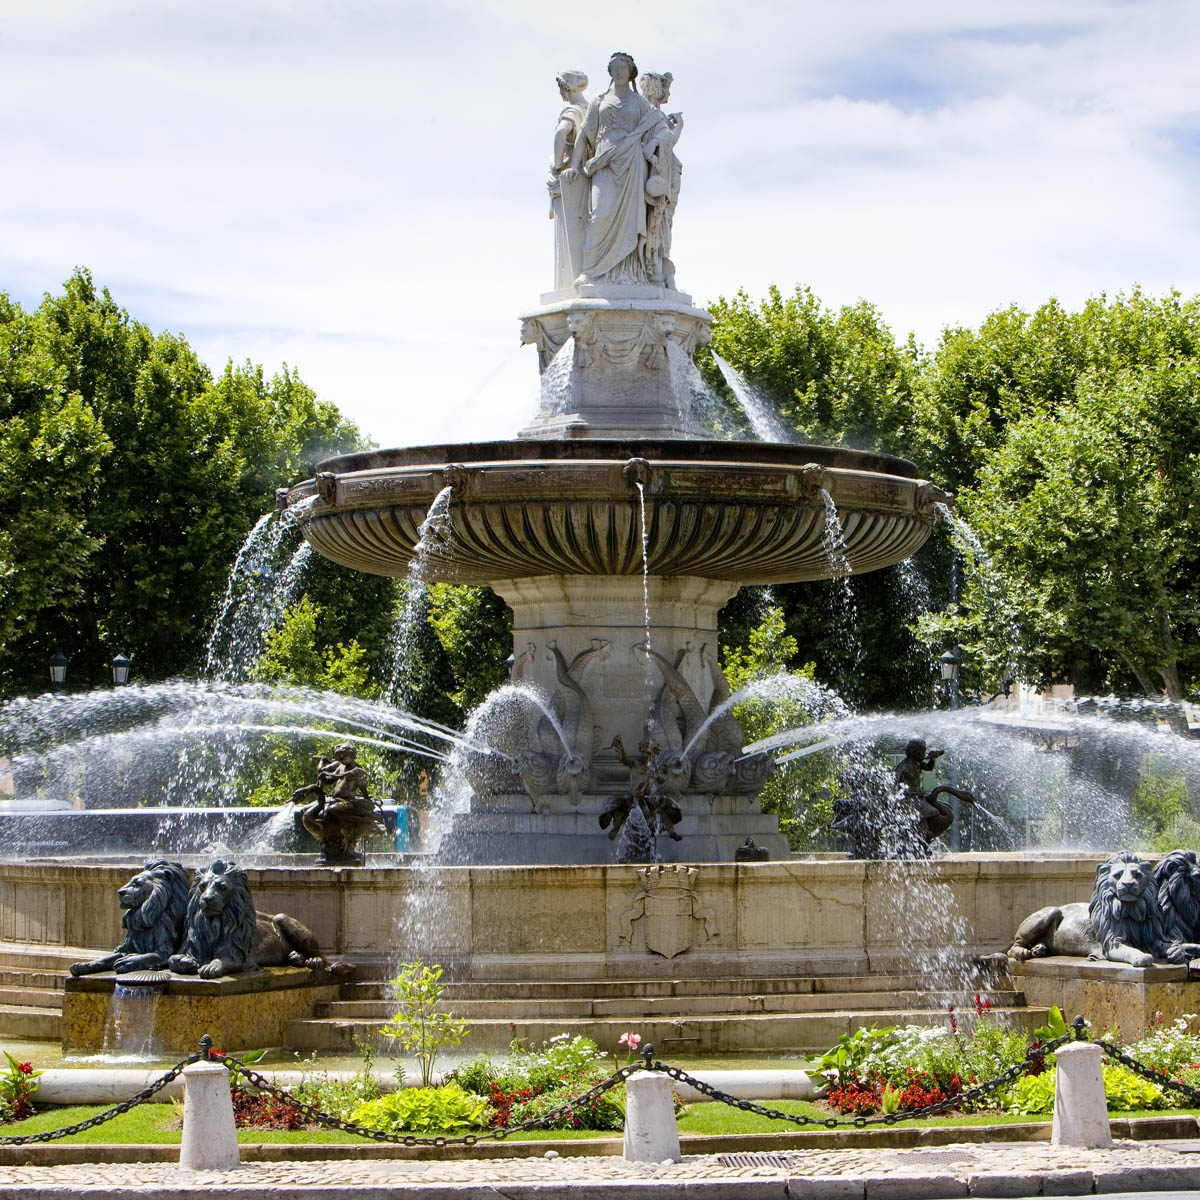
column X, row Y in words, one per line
column 605, row 1112
column 446, row 1109
column 1123, row 1091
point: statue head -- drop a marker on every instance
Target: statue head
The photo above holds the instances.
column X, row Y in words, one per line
column 915, row 750
column 345, row 752
column 657, row 88
column 570, row 82
column 622, row 68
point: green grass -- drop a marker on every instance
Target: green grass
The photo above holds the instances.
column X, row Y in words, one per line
column 148, row 1123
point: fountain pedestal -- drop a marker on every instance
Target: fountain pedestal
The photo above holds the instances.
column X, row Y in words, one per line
column 630, row 352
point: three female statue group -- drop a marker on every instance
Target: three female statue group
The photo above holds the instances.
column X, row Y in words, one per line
column 614, row 180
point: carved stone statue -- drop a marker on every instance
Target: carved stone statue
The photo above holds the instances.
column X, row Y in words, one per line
column 224, row 935
column 562, row 761
column 1123, row 921
column 568, row 199
column 343, row 811
column 611, row 150
column 662, row 186
column 155, row 903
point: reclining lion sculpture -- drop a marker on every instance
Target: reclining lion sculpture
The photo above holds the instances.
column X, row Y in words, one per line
column 155, row 902
column 224, row 934
column 1122, row 923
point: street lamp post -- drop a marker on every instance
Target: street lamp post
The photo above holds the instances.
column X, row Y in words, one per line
column 58, row 669
column 949, row 668
column 120, row 669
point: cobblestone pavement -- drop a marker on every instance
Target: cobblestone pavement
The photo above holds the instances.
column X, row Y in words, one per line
column 1027, row 1169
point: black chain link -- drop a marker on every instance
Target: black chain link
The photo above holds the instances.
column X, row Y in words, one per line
column 316, row 1115
column 109, row 1114
column 1034, row 1057
column 1151, row 1073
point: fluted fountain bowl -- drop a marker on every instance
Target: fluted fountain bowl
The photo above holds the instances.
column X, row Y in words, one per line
column 754, row 512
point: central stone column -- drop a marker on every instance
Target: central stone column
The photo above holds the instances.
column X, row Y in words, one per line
column 578, row 613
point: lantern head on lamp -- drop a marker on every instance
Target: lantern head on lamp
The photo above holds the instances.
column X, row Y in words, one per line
column 120, row 669
column 58, row 668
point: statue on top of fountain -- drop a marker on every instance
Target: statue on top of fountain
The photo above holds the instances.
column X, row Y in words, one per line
column 625, row 147
column 343, row 811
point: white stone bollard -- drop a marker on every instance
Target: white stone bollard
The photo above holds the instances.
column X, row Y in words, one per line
column 209, row 1134
column 651, row 1134
column 1080, row 1109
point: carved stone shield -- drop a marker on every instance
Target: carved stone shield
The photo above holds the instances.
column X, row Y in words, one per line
column 668, row 920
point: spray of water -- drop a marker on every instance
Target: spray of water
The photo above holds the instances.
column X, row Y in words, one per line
column 436, row 530
column 764, row 420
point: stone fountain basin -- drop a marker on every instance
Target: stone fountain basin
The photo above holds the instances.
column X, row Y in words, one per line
column 750, row 512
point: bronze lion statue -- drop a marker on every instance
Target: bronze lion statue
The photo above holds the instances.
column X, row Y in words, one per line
column 1177, row 876
column 1122, row 922
column 224, row 935
column 155, row 901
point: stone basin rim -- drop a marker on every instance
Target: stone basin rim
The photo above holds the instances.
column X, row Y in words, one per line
column 796, row 454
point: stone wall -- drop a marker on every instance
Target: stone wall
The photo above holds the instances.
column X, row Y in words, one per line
column 802, row 917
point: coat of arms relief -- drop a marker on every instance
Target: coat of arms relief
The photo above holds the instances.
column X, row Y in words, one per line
column 672, row 917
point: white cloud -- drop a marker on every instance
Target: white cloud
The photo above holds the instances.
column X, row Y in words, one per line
column 357, row 188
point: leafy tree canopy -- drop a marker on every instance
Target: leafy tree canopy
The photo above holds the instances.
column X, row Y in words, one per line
column 130, row 478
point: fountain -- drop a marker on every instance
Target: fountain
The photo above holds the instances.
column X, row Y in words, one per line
column 615, row 526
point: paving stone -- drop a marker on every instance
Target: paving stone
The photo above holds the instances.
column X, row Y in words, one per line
column 825, row 1187
column 1149, row 1178
column 1068, row 1183
column 914, row 1187
column 1014, row 1184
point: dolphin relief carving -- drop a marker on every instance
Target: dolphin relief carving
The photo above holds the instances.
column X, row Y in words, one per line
column 562, row 762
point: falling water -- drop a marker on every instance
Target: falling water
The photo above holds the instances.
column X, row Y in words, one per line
column 129, row 1026
column 991, row 586
column 845, row 609
column 436, row 531
column 764, row 420
column 256, row 595
column 699, row 404
column 558, row 381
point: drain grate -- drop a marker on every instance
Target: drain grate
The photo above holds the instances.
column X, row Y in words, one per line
column 756, row 1160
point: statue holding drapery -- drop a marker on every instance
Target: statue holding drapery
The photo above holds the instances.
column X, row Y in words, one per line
column 568, row 199
column 662, row 185
column 620, row 129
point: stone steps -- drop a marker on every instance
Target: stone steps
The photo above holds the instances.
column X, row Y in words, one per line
column 31, row 989
column 31, row 1021
column 790, row 1033
column 632, row 1007
column 602, row 989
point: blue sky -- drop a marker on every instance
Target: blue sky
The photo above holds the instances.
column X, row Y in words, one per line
column 357, row 188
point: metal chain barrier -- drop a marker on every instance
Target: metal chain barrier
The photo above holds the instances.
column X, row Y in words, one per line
column 109, row 1114
column 1032, row 1060
column 1151, row 1073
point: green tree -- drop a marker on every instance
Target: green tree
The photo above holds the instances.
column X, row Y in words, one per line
column 132, row 479
column 837, row 378
column 1090, row 511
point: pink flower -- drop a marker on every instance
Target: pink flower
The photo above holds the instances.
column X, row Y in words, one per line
column 632, row 1040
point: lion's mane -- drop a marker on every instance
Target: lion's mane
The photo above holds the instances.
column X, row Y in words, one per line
column 229, row 933
column 155, row 925
column 1177, row 877
column 1138, row 924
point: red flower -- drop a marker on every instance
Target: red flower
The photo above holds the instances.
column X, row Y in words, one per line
column 25, row 1068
